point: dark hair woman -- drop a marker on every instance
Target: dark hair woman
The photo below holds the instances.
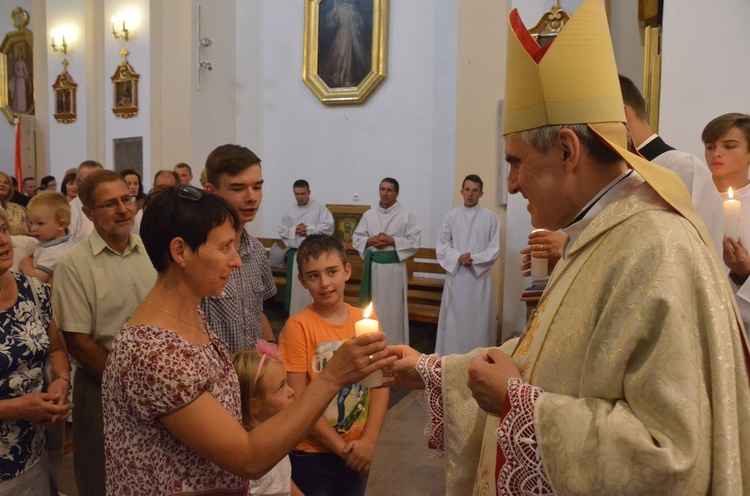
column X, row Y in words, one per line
column 172, row 413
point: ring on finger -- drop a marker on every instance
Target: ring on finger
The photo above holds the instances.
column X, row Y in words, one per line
column 370, row 357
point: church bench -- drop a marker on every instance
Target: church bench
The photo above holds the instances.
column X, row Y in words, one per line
column 425, row 279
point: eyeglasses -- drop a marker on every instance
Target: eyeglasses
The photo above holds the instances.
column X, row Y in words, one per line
column 189, row 193
column 112, row 205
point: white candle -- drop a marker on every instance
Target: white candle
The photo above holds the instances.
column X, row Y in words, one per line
column 732, row 209
column 366, row 326
column 538, row 265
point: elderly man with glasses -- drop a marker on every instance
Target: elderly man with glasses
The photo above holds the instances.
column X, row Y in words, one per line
column 98, row 284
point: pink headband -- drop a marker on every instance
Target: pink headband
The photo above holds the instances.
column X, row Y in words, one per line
column 268, row 349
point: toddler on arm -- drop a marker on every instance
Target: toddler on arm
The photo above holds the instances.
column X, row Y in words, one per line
column 49, row 218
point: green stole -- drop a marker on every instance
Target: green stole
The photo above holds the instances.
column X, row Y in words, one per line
column 381, row 257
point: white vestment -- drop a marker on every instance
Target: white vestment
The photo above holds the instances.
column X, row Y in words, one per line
column 389, row 286
column 468, row 308
column 743, row 292
column 700, row 184
column 80, row 225
column 318, row 220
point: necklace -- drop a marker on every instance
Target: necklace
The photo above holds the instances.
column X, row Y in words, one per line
column 197, row 326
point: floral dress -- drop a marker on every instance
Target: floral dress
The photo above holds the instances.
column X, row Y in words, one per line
column 24, row 347
column 152, row 372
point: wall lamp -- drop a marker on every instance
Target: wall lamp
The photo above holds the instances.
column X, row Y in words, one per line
column 117, row 32
column 59, row 47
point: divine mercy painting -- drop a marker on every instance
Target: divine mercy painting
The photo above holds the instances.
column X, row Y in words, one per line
column 344, row 42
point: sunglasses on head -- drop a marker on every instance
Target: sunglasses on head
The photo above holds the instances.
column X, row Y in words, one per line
column 189, row 193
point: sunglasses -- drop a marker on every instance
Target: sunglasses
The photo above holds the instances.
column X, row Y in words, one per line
column 189, row 193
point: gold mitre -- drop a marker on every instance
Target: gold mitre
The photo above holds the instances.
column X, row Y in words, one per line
column 572, row 80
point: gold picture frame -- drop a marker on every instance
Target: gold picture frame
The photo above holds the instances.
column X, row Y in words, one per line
column 345, row 220
column 125, row 89
column 17, row 69
column 344, row 56
column 65, row 89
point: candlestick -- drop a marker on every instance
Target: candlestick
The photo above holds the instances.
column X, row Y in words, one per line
column 732, row 213
column 366, row 326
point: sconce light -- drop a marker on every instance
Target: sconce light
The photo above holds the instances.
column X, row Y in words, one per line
column 63, row 47
column 119, row 33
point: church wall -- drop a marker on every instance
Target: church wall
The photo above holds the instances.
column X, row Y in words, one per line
column 139, row 46
column 480, row 86
column 67, row 142
column 404, row 129
column 705, row 73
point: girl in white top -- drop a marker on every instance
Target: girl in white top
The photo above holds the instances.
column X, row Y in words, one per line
column 264, row 393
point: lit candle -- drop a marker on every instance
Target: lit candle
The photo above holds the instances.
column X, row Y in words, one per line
column 732, row 210
column 538, row 264
column 366, row 326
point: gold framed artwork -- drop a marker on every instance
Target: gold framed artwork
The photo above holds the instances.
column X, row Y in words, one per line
column 345, row 48
column 65, row 96
column 345, row 220
column 125, row 89
column 17, row 68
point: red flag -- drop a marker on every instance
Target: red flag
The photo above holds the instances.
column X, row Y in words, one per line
column 19, row 167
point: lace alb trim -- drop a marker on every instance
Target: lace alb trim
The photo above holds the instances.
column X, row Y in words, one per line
column 429, row 368
column 523, row 472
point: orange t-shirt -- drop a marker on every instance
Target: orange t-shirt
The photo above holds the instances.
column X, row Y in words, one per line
column 305, row 335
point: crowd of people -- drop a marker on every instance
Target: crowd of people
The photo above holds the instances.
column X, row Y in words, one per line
column 631, row 376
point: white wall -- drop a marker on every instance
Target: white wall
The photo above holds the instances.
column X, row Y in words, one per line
column 67, row 142
column 705, row 70
column 139, row 46
column 404, row 129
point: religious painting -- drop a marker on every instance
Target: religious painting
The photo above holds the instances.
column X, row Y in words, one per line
column 17, row 68
column 345, row 220
column 125, row 86
column 345, row 48
column 65, row 98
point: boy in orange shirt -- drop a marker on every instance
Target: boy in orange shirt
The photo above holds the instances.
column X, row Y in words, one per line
column 336, row 457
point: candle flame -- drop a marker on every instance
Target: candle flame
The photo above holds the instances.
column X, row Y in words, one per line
column 368, row 311
column 731, row 195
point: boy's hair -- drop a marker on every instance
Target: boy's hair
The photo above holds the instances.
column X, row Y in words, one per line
column 633, row 98
column 316, row 245
column 54, row 201
column 228, row 159
column 301, row 183
column 474, row 179
column 721, row 125
column 246, row 365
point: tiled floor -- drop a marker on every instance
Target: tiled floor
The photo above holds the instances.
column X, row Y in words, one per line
column 402, row 465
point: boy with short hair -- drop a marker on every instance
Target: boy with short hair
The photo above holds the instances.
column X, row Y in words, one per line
column 336, row 457
column 49, row 218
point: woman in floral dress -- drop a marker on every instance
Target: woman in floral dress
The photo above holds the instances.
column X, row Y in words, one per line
column 171, row 397
column 28, row 339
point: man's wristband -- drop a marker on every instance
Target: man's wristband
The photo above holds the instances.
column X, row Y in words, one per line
column 738, row 280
